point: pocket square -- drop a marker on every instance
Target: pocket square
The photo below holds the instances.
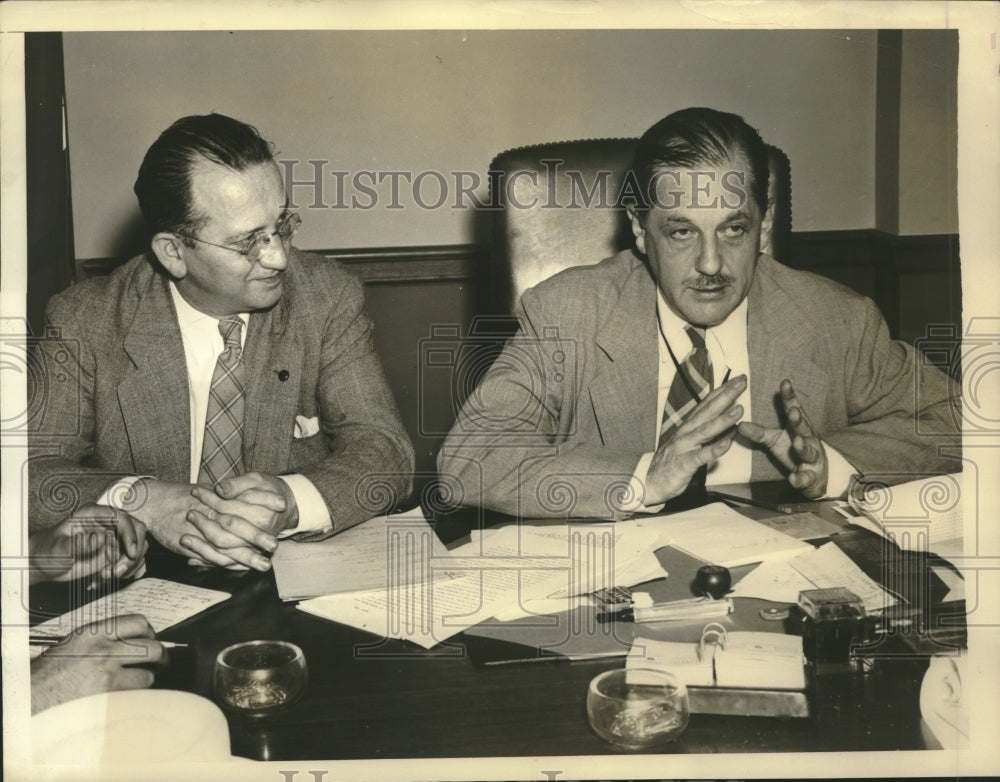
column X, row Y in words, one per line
column 305, row 427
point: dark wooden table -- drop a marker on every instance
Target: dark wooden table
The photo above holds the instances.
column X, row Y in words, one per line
column 370, row 697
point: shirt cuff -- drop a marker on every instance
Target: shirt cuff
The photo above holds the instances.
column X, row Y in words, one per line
column 839, row 472
column 637, row 489
column 314, row 516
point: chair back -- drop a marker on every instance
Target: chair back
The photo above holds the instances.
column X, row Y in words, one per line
column 560, row 206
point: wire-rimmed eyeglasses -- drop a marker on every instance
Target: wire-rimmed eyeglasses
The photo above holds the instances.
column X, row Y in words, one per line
column 252, row 247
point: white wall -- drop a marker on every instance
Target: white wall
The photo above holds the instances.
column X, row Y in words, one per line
column 928, row 147
column 448, row 100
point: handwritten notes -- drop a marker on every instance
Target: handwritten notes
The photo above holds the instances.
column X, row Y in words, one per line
column 163, row 603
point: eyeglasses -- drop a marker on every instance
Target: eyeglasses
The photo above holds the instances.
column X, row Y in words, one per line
column 253, row 247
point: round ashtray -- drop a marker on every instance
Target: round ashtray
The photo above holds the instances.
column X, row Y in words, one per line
column 258, row 678
column 637, row 708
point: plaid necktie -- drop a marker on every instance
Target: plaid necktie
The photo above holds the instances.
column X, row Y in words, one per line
column 690, row 385
column 222, row 448
column 693, row 381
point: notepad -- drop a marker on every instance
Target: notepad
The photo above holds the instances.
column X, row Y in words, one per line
column 164, row 603
column 770, row 661
column 687, row 661
column 743, row 659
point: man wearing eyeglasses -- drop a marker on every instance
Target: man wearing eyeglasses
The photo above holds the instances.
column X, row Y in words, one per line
column 222, row 388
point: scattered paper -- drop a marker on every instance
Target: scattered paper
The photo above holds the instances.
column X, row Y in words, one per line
column 721, row 536
column 778, row 582
column 589, row 556
column 923, row 515
column 393, row 549
column 426, row 613
column 802, row 526
column 820, row 568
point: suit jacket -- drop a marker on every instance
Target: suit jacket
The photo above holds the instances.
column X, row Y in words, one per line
column 111, row 393
column 560, row 421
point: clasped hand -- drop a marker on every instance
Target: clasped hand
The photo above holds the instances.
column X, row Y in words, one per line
column 234, row 525
column 253, row 507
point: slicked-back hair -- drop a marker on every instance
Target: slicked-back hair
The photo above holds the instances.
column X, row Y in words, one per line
column 163, row 185
column 699, row 136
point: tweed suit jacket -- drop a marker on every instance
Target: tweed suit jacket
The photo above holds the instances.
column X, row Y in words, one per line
column 112, row 393
column 559, row 422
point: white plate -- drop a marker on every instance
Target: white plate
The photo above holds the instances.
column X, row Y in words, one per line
column 132, row 726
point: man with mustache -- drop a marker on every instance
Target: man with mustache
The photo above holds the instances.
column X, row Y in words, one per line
column 693, row 359
column 222, row 388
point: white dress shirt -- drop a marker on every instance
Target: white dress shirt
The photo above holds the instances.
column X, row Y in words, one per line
column 727, row 347
column 203, row 344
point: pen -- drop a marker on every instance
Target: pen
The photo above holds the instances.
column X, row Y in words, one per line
column 775, row 506
column 697, row 608
column 52, row 640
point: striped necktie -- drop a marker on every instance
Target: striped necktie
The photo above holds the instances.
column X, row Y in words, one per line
column 692, row 382
column 222, row 448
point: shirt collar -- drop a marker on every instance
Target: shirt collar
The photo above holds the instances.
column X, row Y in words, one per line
column 732, row 331
column 189, row 318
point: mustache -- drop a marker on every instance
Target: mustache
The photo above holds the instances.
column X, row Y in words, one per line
column 707, row 282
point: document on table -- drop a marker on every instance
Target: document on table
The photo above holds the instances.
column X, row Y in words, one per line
column 821, row 568
column 590, row 556
column 429, row 612
column 393, row 549
column 923, row 515
column 721, row 536
column 164, row 603
column 802, row 526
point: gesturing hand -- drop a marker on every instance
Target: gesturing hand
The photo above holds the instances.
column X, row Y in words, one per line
column 100, row 657
column 95, row 540
column 797, row 448
column 700, row 439
column 253, row 507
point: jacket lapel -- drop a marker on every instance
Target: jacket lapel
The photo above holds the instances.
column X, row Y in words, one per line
column 272, row 352
column 624, row 407
column 153, row 397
